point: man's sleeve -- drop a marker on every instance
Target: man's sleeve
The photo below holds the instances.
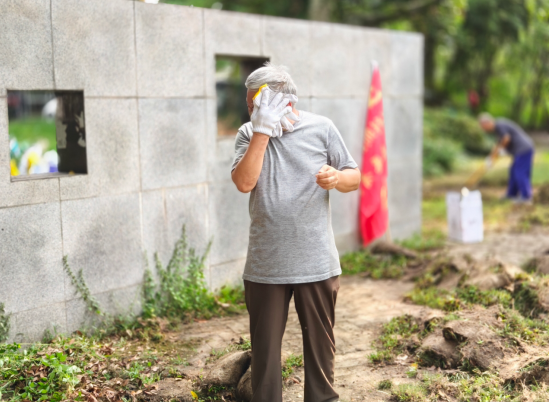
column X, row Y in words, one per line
column 242, row 141
column 338, row 155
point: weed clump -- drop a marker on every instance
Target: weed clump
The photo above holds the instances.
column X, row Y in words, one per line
column 291, row 363
column 4, row 323
column 375, row 266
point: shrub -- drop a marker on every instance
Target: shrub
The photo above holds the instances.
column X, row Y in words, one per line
column 461, row 128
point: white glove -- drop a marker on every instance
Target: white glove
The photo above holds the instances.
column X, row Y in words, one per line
column 269, row 109
column 488, row 162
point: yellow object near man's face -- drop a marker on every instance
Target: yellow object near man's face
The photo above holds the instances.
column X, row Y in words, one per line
column 259, row 90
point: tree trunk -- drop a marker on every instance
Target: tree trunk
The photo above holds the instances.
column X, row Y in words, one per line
column 319, row 10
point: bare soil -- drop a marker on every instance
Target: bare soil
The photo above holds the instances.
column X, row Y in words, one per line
column 363, row 305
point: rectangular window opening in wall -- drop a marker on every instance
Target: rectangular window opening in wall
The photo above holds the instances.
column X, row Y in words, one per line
column 47, row 134
column 231, row 74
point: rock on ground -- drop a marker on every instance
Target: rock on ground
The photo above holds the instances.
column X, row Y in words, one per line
column 228, row 370
column 244, row 388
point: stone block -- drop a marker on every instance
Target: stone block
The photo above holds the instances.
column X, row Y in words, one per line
column 164, row 213
column 93, row 44
column 404, row 228
column 333, row 54
column 348, row 115
column 112, row 147
column 123, row 302
column 286, row 42
column 347, row 242
column 403, row 124
column 372, row 45
column 25, row 45
column 344, row 212
column 405, row 190
column 220, row 169
column 170, row 58
column 229, row 273
column 172, row 142
column 224, row 35
column 31, row 269
column 102, row 236
column 407, row 58
column 31, row 325
column 229, row 222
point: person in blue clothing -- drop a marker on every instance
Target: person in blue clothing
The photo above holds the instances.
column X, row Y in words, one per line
column 517, row 143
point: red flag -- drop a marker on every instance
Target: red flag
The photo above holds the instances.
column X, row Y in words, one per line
column 373, row 206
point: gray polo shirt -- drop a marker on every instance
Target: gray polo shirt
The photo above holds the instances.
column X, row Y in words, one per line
column 291, row 239
column 520, row 142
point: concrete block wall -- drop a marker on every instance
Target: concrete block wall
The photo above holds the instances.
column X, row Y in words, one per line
column 154, row 158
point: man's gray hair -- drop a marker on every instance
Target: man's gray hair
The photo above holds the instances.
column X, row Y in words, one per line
column 485, row 118
column 277, row 79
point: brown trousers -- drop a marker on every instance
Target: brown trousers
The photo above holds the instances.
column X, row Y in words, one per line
column 267, row 305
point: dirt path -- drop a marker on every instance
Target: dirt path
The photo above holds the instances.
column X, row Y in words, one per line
column 363, row 304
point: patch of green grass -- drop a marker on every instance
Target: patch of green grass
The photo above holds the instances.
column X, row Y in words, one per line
column 29, row 131
column 410, row 392
column 458, row 298
column 393, row 339
column 472, row 295
column 377, row 266
column 291, row 363
column 433, row 297
column 520, row 327
column 384, row 384
column 426, row 241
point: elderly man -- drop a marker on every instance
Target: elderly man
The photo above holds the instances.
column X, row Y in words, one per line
column 520, row 146
column 289, row 160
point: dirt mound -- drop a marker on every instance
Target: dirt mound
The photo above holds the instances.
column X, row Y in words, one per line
column 538, row 264
column 384, row 247
column 170, row 389
column 541, row 196
column 450, row 272
column 244, row 388
column 475, row 340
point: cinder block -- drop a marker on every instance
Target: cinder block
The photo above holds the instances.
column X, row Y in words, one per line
column 229, row 222
column 220, row 149
column 407, row 57
column 173, row 149
column 120, row 302
column 402, row 229
column 286, row 42
column 228, row 33
column 344, row 212
column 333, row 54
column 348, row 115
column 164, row 214
column 112, row 147
column 372, row 45
column 170, row 58
column 102, row 236
column 31, row 270
column 31, row 325
column 405, row 190
column 25, row 45
column 220, row 168
column 346, row 243
column 229, row 273
column 403, row 123
column 94, row 46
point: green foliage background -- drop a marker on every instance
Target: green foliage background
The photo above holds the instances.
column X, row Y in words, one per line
column 497, row 48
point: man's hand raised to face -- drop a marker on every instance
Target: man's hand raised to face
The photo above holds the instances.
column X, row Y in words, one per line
column 328, row 177
column 268, row 113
